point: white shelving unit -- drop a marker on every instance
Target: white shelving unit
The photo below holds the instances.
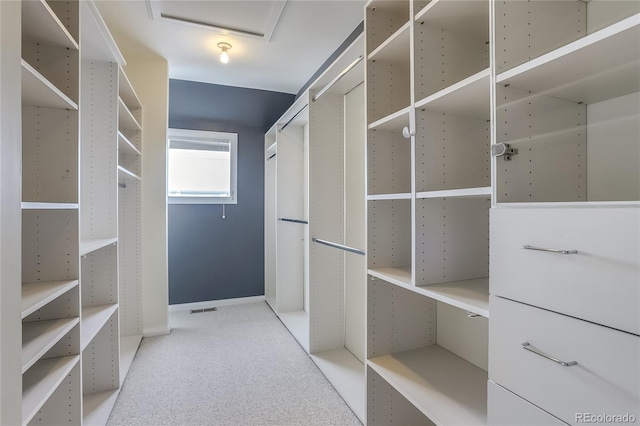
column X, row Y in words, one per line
column 129, row 224
column 429, row 191
column 70, row 86
column 314, row 189
column 568, row 100
column 50, row 215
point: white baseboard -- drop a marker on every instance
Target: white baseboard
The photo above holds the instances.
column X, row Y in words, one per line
column 214, row 303
column 156, row 331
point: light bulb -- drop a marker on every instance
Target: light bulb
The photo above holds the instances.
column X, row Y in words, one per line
column 224, row 57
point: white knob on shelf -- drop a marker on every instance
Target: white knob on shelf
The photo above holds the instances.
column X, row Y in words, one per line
column 406, row 133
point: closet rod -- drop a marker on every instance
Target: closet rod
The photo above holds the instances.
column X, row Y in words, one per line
column 294, row 117
column 338, row 246
column 335, row 80
column 284, row 219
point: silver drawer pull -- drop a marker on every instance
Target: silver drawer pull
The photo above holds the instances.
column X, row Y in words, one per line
column 528, row 247
column 527, row 346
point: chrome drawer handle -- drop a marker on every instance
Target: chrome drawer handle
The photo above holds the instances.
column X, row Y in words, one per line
column 527, row 346
column 528, row 247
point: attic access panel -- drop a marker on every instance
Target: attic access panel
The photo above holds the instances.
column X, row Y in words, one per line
column 251, row 18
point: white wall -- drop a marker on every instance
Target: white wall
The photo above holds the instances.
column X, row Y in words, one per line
column 10, row 214
column 149, row 76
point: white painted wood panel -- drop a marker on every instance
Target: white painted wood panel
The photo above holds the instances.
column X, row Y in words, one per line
column 101, row 358
column 326, row 221
column 551, row 138
column 98, row 151
column 49, row 245
column 451, row 240
column 398, row 320
column 444, row 58
column 355, row 277
column 384, row 18
column 613, row 150
column 50, row 155
column 390, row 407
column 465, row 336
column 452, row 152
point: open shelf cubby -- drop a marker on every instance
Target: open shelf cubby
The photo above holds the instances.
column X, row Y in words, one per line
column 432, row 354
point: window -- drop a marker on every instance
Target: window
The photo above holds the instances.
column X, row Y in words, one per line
column 202, row 167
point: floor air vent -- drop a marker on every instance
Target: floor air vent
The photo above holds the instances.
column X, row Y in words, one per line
column 198, row 311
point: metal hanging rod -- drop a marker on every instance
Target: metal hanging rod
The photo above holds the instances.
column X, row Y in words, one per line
column 335, row 80
column 294, row 117
column 339, row 246
column 284, row 219
column 271, row 157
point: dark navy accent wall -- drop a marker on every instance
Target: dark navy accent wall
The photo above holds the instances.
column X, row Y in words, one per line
column 211, row 258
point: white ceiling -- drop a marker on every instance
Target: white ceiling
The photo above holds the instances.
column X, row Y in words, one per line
column 279, row 45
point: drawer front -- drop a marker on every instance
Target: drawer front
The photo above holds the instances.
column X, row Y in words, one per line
column 605, row 380
column 600, row 283
column 508, row 409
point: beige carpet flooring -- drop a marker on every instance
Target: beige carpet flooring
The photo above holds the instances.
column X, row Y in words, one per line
column 235, row 366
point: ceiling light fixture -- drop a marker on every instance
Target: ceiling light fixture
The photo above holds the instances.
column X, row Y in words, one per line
column 224, row 56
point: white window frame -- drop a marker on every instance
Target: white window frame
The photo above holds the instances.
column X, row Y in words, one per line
column 204, row 137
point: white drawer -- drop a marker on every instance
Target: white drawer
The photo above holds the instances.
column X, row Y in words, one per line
column 508, row 409
column 601, row 283
column 605, row 380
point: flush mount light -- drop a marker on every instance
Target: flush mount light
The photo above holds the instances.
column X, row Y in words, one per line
column 224, row 56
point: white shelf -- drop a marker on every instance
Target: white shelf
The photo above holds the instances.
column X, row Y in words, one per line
column 89, row 246
column 297, row 322
column 444, row 387
column 469, row 295
column 379, row 197
column 126, row 92
column 470, row 18
column 482, row 192
column 40, row 92
column 600, row 66
column 127, row 174
column 40, row 336
column 395, row 121
column 398, row 275
column 347, row 375
column 126, row 120
column 40, row 23
column 128, row 347
column 468, row 98
column 92, row 319
column 97, row 407
column 38, row 294
column 125, row 145
column 395, row 48
column 28, row 205
column 41, row 380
